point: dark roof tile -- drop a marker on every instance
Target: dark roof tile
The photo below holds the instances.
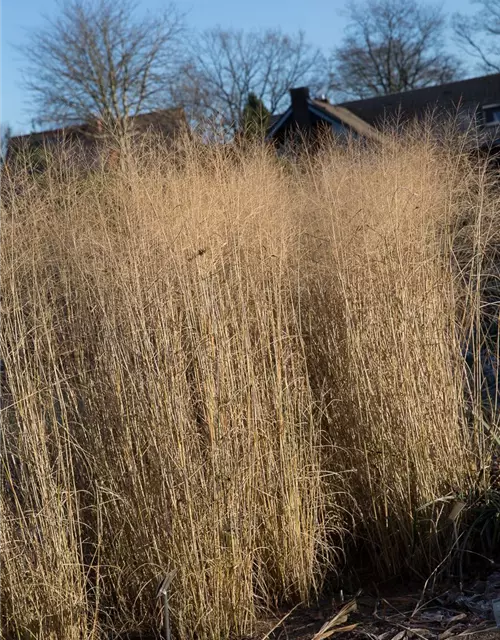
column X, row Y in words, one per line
column 471, row 93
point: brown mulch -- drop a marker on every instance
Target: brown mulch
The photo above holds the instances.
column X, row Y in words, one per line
column 453, row 613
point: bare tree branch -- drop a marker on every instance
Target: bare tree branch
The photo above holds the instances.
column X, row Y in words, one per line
column 225, row 66
column 391, row 46
column 99, row 59
column 479, row 35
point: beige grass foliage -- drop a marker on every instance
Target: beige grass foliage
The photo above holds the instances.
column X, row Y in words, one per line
column 228, row 365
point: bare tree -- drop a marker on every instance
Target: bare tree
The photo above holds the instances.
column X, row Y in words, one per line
column 226, row 66
column 99, row 59
column 479, row 35
column 392, row 46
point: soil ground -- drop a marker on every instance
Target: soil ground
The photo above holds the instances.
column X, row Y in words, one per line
column 397, row 613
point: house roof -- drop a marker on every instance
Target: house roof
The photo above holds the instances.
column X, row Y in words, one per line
column 273, row 119
column 347, row 117
column 448, row 97
column 330, row 113
column 166, row 121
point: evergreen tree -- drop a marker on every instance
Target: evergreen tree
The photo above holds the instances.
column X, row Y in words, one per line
column 255, row 117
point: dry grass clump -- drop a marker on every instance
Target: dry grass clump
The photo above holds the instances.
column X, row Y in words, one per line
column 386, row 348
column 223, row 364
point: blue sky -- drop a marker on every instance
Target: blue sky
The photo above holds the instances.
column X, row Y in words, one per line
column 322, row 20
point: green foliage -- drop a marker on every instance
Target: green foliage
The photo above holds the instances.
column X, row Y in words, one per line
column 255, row 117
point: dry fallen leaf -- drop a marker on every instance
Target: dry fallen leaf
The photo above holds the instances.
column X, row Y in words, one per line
column 385, row 636
column 449, row 633
column 432, row 616
column 421, row 633
column 459, row 616
column 329, row 632
column 333, row 626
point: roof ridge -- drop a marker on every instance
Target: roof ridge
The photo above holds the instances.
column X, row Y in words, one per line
column 441, row 86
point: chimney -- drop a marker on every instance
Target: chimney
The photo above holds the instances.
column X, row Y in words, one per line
column 300, row 109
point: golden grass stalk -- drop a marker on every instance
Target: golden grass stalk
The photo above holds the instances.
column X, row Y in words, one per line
column 226, row 365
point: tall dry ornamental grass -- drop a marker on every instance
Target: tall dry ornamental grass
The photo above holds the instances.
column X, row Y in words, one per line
column 232, row 367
